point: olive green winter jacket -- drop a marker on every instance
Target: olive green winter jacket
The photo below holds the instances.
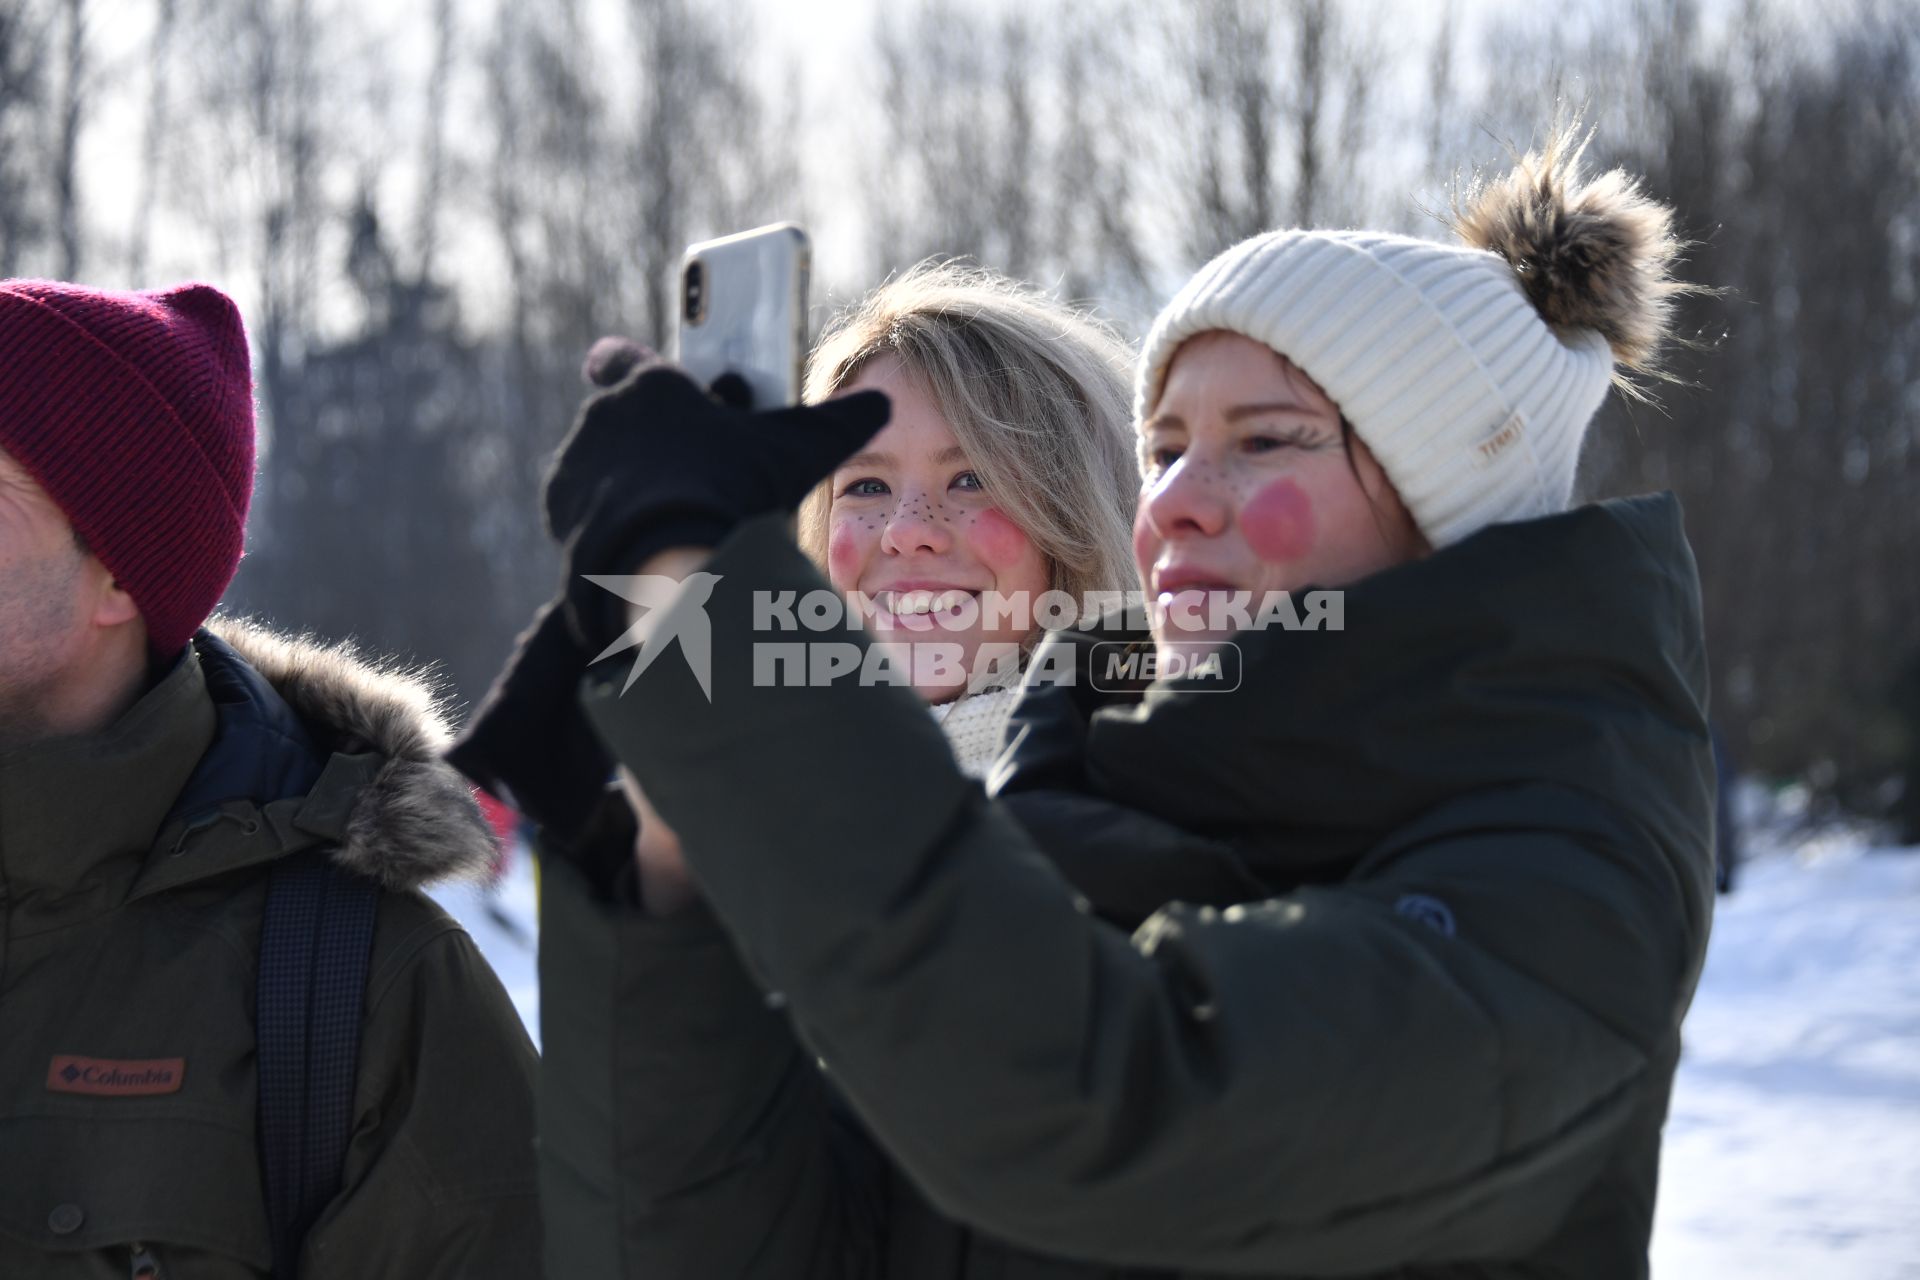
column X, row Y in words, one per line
column 1374, row 965
column 133, row 869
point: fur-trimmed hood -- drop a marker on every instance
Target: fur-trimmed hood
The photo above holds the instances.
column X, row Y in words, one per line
column 415, row 821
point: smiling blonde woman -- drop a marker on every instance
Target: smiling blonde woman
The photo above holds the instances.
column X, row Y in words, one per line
column 1007, row 468
column 1005, row 471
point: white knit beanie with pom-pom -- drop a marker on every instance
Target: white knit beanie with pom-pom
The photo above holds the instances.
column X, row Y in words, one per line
column 1472, row 370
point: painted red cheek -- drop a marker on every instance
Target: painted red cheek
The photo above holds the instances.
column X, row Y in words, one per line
column 845, row 555
column 1278, row 523
column 997, row 540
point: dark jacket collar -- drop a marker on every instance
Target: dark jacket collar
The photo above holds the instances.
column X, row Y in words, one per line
column 252, row 746
column 78, row 815
column 1566, row 651
column 261, row 751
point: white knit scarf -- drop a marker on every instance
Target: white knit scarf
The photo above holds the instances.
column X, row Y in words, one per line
column 973, row 722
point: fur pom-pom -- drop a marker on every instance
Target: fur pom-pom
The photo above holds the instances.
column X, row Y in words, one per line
column 1591, row 253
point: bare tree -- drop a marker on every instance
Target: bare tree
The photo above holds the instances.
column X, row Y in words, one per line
column 1096, row 248
column 1789, row 155
column 1006, row 139
column 158, row 115
column 1224, row 140
column 694, row 158
column 1274, row 116
column 1310, row 94
column 433, row 161
column 956, row 123
column 257, row 150
column 71, row 111
column 24, row 30
column 547, row 158
column 600, row 196
column 1440, row 90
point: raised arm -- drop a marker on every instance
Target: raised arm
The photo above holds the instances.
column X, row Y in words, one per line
column 1314, row 1082
column 683, row 1129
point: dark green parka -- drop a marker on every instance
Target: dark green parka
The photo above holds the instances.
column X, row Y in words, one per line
column 133, row 870
column 1373, row 966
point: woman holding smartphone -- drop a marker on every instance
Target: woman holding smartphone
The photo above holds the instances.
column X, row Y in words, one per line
column 1370, row 961
column 1005, row 471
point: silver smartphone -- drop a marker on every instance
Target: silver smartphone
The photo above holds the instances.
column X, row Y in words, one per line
column 743, row 310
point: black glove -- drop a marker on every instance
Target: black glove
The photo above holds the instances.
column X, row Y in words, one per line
column 656, row 462
column 529, row 743
column 651, row 464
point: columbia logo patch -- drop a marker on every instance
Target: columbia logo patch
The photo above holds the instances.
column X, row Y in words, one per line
column 116, row 1077
column 1504, row 437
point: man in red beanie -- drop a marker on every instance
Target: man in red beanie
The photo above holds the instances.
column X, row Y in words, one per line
column 238, row 1040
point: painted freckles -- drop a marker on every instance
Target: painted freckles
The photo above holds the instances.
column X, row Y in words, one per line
column 911, row 515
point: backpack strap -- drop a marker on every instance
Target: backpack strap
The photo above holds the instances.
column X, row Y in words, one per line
column 315, row 941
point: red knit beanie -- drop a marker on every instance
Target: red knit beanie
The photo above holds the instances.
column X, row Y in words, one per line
column 134, row 411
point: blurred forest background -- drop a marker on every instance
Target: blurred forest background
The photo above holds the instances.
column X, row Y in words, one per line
column 427, row 234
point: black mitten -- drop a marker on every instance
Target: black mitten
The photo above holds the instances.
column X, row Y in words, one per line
column 657, row 462
column 529, row 742
column 652, row 463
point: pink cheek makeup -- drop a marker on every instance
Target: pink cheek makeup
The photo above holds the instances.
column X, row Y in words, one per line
column 1278, row 523
column 848, row 543
column 996, row 540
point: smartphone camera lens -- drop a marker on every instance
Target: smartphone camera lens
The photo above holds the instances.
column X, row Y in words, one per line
column 693, row 293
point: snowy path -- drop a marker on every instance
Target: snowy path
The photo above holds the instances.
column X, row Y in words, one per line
column 1793, row 1148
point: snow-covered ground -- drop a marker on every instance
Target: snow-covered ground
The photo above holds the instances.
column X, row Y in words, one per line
column 1793, row 1148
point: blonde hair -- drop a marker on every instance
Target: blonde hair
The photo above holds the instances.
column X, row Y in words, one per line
column 1037, row 394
